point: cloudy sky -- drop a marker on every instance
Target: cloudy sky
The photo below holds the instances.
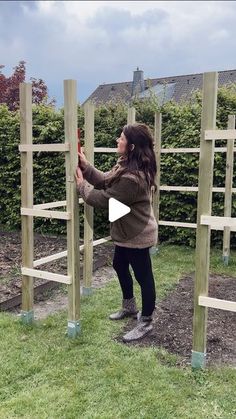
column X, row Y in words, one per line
column 99, row 42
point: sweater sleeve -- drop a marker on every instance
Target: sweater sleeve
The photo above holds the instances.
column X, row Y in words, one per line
column 94, row 176
column 125, row 190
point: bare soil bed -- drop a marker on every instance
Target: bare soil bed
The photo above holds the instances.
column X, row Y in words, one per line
column 173, row 318
column 10, row 263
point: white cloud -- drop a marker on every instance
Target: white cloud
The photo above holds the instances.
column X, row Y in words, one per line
column 221, row 34
column 100, row 41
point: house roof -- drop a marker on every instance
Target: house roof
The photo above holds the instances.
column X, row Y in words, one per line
column 176, row 87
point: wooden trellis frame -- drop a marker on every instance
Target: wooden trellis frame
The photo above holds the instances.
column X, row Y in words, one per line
column 29, row 210
column 206, row 222
column 71, row 215
column 227, row 190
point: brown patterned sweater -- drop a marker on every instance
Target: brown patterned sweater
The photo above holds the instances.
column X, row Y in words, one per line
column 138, row 228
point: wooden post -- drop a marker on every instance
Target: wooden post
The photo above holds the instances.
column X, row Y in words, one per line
column 228, row 190
column 73, row 251
column 27, row 313
column 89, row 109
column 157, row 149
column 131, row 116
column 206, row 162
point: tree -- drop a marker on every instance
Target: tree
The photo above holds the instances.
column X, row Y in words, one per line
column 9, row 88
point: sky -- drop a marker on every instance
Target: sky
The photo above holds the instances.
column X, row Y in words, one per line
column 96, row 42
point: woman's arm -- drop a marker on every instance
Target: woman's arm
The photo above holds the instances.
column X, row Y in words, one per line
column 94, row 176
column 125, row 191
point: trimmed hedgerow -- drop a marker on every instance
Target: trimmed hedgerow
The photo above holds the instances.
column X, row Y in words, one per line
column 180, row 128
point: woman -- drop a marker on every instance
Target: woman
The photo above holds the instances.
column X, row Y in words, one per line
column 130, row 181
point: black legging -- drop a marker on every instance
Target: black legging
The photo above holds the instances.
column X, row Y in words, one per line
column 140, row 261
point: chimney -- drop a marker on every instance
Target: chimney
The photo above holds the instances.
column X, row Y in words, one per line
column 138, row 82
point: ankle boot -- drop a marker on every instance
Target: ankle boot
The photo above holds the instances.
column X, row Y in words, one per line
column 129, row 309
column 143, row 327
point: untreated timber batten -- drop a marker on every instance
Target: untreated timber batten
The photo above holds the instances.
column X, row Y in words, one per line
column 64, row 279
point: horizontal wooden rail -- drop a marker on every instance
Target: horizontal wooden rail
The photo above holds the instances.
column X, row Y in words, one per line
column 60, row 215
column 179, row 188
column 214, row 225
column 44, row 147
column 192, row 150
column 163, row 150
column 64, row 279
column 63, row 254
column 216, row 303
column 220, row 134
column 223, row 149
column 50, row 205
column 50, row 258
column 180, row 150
column 105, row 150
column 218, row 189
column 218, row 223
column 96, row 242
column 176, row 224
column 103, row 240
column 190, row 189
column 54, row 204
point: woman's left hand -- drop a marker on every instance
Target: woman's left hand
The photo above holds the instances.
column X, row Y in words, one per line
column 78, row 176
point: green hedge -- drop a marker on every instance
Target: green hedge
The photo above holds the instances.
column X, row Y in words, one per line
column 180, row 128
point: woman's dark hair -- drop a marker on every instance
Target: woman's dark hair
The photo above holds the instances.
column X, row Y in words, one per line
column 141, row 157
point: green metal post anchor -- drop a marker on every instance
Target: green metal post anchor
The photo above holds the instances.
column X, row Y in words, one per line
column 198, row 359
column 73, row 328
column 87, row 291
column 225, row 260
column 153, row 250
column 27, row 317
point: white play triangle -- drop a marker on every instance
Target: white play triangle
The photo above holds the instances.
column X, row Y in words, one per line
column 117, row 209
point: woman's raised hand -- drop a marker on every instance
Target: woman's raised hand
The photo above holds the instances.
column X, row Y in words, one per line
column 82, row 160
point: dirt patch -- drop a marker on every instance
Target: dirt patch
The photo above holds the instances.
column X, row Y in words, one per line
column 172, row 321
column 10, row 261
column 56, row 300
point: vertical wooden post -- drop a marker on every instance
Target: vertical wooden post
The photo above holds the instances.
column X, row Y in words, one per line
column 157, row 149
column 228, row 190
column 27, row 313
column 131, row 116
column 206, row 162
column 73, row 251
column 88, row 209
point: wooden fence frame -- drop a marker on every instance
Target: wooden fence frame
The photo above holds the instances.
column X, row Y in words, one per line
column 227, row 190
column 205, row 222
column 71, row 215
column 29, row 210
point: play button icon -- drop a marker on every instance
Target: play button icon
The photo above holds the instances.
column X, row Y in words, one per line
column 117, row 209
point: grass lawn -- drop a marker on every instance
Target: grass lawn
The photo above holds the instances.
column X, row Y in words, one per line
column 44, row 374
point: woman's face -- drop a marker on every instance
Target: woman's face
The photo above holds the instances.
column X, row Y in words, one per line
column 121, row 144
